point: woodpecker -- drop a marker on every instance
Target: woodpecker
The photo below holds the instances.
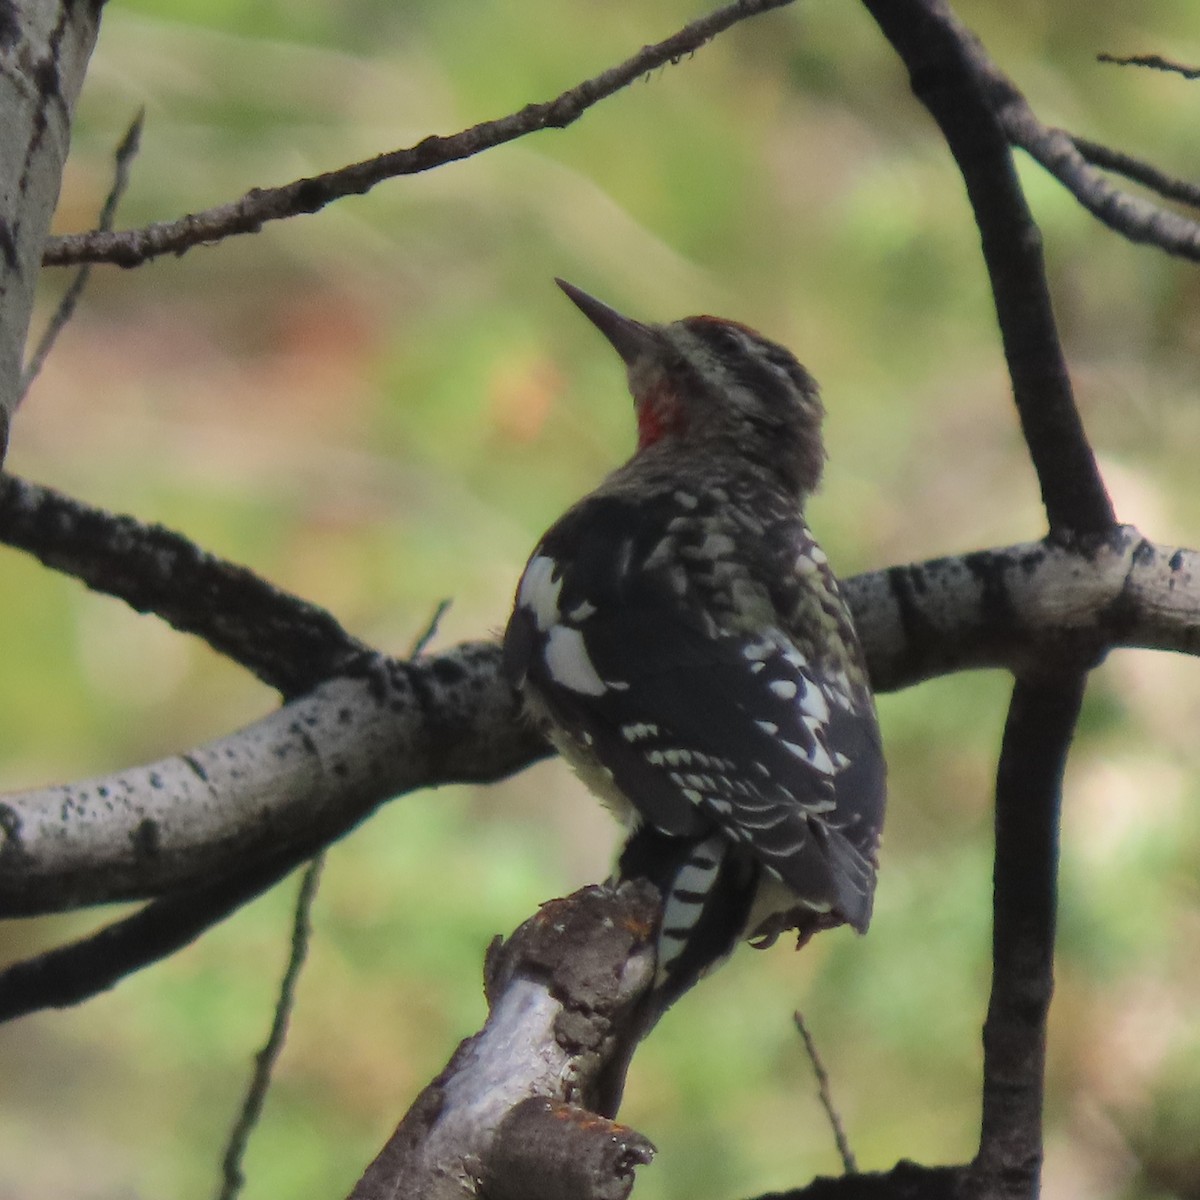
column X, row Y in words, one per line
column 681, row 639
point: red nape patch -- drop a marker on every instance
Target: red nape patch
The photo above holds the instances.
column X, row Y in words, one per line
column 658, row 413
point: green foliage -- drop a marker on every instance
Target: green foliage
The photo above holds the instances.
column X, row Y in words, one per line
column 385, row 403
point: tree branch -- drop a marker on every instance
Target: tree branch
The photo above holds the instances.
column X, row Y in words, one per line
column 825, row 1096
column 46, row 48
column 233, row 1175
column 1033, row 607
column 122, row 164
column 952, row 76
column 79, row 970
column 1144, row 173
column 306, row 774
column 287, row 642
column 561, row 992
column 1067, row 158
column 905, row 1181
column 1133, row 218
column 1033, row 757
column 1155, row 62
column 132, row 247
column 281, row 788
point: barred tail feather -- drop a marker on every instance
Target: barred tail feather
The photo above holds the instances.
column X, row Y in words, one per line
column 708, row 887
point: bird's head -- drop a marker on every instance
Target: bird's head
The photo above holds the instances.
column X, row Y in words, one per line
column 716, row 386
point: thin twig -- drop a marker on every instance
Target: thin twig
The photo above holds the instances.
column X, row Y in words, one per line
column 126, row 152
column 1167, row 186
column 132, row 247
column 1155, row 62
column 849, row 1163
column 421, row 644
column 1133, row 217
column 233, row 1176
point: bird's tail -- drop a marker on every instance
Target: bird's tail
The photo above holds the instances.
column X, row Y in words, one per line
column 708, row 889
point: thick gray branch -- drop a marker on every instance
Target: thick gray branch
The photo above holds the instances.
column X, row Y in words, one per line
column 298, row 778
column 1032, row 609
column 307, row 773
column 511, row 1114
column 44, row 50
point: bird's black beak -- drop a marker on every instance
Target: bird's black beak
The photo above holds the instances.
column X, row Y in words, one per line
column 631, row 339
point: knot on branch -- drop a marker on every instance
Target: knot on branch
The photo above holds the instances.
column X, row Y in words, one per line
column 593, row 953
column 562, row 996
column 547, row 1150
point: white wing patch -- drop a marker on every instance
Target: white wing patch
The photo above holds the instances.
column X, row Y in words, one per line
column 814, row 705
column 564, row 651
column 539, row 591
column 567, row 660
column 789, row 678
column 819, row 759
column 638, row 731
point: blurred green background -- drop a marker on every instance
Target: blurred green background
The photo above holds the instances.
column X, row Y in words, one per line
column 384, row 404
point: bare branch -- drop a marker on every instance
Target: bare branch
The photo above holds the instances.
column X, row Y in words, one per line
column 304, row 775
column 548, row 1150
column 122, row 162
column 84, row 968
column 280, row 789
column 905, row 1181
column 1130, row 216
column 825, row 1095
column 232, row 1176
column 132, row 247
column 46, row 48
column 1028, row 608
column 287, row 642
column 951, row 74
column 1154, row 61
column 559, row 993
column 421, row 643
column 1144, row 173
column 1068, row 159
column 1037, row 738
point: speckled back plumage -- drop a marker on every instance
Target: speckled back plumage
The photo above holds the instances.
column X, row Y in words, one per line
column 681, row 638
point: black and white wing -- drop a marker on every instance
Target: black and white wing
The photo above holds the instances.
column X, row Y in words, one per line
column 697, row 721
